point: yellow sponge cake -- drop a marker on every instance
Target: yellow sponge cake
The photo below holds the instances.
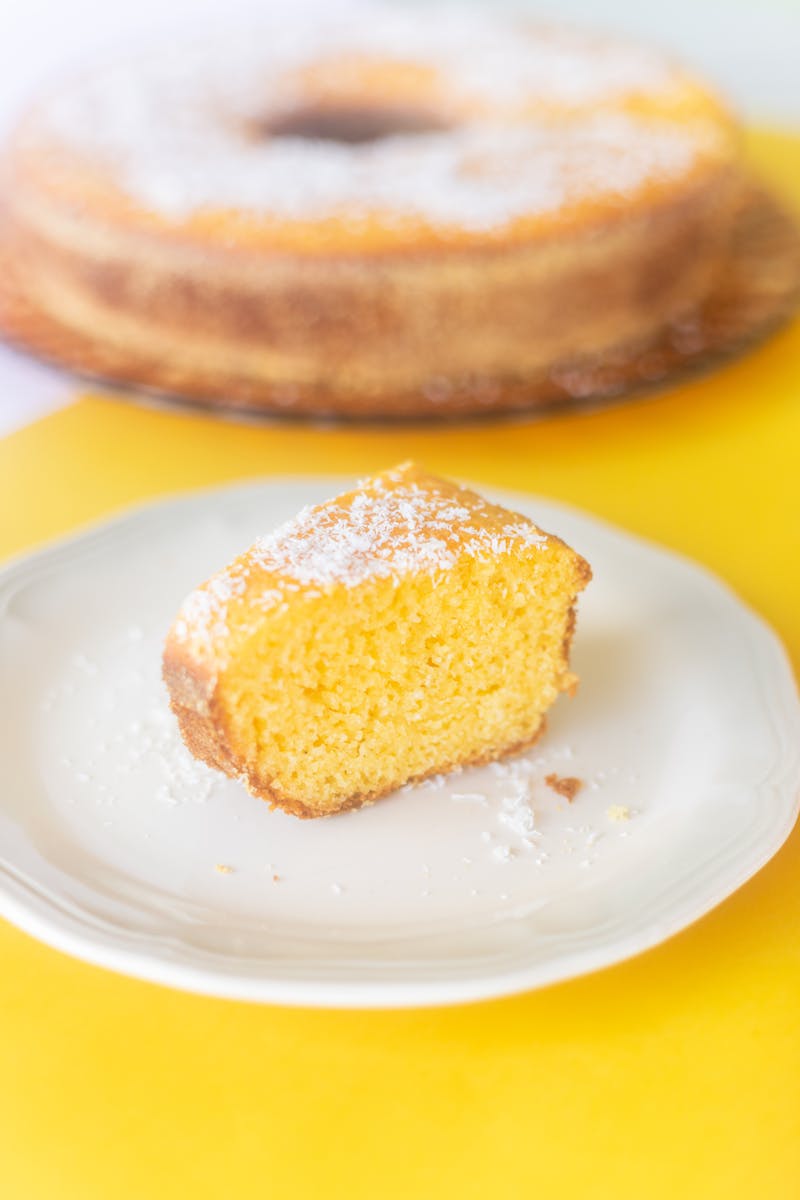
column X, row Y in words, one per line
column 399, row 630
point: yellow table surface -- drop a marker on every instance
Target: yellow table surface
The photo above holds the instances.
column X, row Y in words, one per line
column 674, row 1075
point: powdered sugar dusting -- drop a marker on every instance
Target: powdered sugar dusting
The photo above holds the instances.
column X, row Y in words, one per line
column 174, row 129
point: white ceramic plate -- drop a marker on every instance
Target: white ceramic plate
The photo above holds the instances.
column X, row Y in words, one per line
column 117, row 847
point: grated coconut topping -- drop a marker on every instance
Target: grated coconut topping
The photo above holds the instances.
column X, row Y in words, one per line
column 398, row 523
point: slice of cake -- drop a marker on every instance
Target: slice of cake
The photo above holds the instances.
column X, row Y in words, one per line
column 395, row 632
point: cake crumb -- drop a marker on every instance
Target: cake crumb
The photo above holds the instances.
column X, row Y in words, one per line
column 618, row 812
column 567, row 786
column 223, row 869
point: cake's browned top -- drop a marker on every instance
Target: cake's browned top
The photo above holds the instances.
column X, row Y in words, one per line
column 362, row 131
column 399, row 522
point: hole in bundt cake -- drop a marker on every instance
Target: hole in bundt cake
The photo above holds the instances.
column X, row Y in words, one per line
column 349, row 124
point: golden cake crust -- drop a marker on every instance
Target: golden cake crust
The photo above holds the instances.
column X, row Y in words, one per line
column 450, row 269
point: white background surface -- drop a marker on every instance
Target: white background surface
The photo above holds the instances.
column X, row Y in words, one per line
column 750, row 48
